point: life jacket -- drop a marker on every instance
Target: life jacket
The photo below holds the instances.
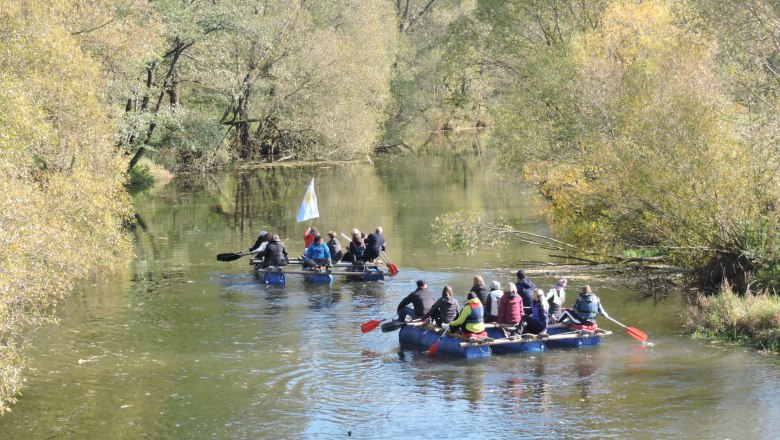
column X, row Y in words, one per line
column 588, row 308
column 475, row 322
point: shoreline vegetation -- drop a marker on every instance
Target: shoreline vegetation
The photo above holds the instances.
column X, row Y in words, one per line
column 649, row 128
column 749, row 319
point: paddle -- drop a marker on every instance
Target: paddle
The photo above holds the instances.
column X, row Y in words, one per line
column 231, row 256
column 435, row 347
column 371, row 325
column 635, row 333
column 391, row 266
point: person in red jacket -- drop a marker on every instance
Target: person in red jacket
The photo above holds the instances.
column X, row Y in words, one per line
column 510, row 306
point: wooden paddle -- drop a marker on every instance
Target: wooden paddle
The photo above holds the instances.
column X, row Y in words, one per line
column 231, row 256
column 371, row 325
column 635, row 333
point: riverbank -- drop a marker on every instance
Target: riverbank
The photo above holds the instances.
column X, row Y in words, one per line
column 752, row 319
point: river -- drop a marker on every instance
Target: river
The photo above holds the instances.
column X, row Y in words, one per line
column 178, row 345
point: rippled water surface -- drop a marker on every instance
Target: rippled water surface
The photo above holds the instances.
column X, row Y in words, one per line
column 182, row 346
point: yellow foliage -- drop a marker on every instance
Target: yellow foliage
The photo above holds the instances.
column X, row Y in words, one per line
column 63, row 202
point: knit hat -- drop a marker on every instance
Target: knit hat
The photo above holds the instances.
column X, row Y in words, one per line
column 495, row 285
column 521, row 273
column 262, row 232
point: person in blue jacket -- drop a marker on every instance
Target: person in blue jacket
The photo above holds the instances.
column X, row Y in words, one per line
column 317, row 254
column 536, row 322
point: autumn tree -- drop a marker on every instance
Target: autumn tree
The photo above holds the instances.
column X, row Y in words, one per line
column 63, row 204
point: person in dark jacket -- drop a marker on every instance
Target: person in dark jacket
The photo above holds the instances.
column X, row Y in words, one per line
column 586, row 308
column 334, row 247
column 274, row 254
column 445, row 309
column 526, row 289
column 357, row 247
column 375, row 244
column 262, row 238
column 478, row 287
column 421, row 302
column 536, row 322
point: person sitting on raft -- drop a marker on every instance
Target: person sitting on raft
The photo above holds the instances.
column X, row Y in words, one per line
column 536, row 322
column 317, row 254
column 356, row 249
column 471, row 319
column 375, row 244
column 493, row 298
column 510, row 306
column 334, row 247
column 259, row 243
column 478, row 287
column 445, row 309
column 421, row 302
column 308, row 236
column 274, row 254
column 583, row 313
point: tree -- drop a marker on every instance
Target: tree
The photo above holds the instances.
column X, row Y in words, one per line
column 64, row 203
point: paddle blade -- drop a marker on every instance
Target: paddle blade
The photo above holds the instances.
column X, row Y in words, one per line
column 392, row 326
column 228, row 256
column 434, row 348
column 637, row 334
column 393, row 269
column 369, row 325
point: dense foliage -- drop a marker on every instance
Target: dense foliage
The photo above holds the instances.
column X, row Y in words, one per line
column 61, row 177
column 650, row 127
column 645, row 126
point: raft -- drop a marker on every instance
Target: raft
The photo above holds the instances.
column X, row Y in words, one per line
column 277, row 275
column 496, row 342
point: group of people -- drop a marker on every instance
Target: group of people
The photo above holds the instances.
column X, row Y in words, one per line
column 520, row 304
column 363, row 248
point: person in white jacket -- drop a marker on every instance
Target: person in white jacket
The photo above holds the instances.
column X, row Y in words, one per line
column 555, row 298
column 491, row 302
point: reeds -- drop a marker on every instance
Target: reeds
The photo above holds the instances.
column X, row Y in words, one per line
column 749, row 319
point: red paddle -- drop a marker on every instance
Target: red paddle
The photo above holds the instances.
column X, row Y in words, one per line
column 391, row 266
column 635, row 333
column 370, row 325
column 435, row 347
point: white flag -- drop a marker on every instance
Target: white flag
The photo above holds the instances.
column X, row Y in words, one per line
column 308, row 208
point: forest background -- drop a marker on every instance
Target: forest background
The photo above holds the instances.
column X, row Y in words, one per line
column 650, row 127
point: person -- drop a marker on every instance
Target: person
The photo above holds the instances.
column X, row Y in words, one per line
column 421, row 302
column 258, row 246
column 586, row 308
column 536, row 322
column 525, row 288
column 493, row 298
column 348, row 255
column 510, row 306
column 375, row 244
column 555, row 298
column 356, row 249
column 470, row 321
column 308, row 236
column 478, row 287
column 274, row 254
column 317, row 254
column 445, row 309
column 334, row 247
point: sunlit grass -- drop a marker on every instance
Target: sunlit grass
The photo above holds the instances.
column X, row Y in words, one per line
column 750, row 319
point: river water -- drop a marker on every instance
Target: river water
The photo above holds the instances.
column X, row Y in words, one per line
column 179, row 345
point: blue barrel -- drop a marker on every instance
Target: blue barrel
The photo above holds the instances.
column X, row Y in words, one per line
column 276, row 278
column 409, row 335
column 451, row 347
column 573, row 342
column 318, row 277
column 515, row 347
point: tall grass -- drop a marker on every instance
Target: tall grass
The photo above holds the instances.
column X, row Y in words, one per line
column 749, row 319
